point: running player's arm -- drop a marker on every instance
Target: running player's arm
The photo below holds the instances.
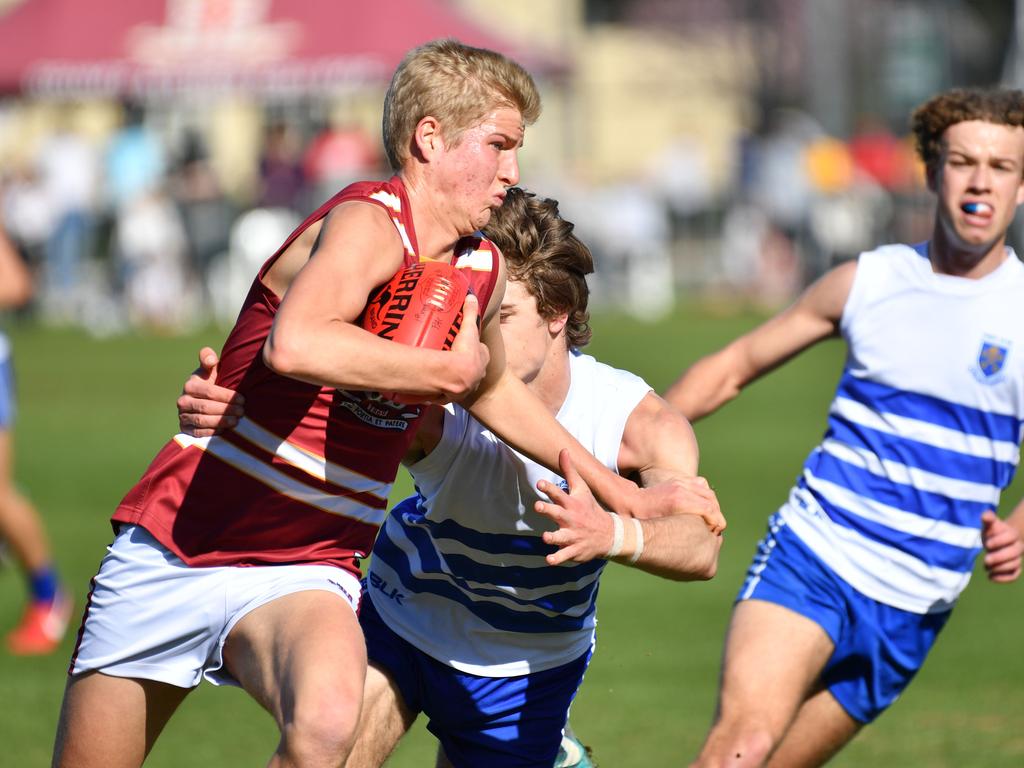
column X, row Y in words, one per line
column 315, row 337
column 717, row 378
column 1016, row 517
column 1003, row 541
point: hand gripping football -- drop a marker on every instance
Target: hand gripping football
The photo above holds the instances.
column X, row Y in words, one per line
column 420, row 306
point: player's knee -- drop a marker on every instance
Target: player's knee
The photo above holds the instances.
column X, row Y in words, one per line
column 321, row 732
column 752, row 747
column 743, row 745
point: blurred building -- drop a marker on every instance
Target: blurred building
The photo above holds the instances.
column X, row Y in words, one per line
column 722, row 127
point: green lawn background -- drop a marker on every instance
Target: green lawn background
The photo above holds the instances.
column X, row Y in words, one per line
column 93, row 413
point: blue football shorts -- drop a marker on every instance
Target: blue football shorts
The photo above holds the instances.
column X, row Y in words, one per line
column 6, row 393
column 878, row 648
column 498, row 722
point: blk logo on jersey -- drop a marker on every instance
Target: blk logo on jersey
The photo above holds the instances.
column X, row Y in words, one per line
column 991, row 359
column 386, row 589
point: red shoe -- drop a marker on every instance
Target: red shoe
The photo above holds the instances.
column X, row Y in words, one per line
column 42, row 627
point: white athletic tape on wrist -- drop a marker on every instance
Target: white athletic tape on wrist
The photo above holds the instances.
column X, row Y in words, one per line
column 617, row 536
column 639, row 541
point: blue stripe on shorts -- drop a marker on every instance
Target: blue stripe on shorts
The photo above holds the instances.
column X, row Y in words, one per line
column 878, row 648
column 6, row 394
column 498, row 722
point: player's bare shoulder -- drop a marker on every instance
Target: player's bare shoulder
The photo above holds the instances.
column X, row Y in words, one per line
column 340, row 233
column 356, row 220
column 827, row 296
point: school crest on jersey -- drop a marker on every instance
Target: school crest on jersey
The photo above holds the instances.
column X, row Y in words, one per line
column 991, row 360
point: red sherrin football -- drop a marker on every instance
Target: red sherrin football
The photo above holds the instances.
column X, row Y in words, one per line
column 420, row 306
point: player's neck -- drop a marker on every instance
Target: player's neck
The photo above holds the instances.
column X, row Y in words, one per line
column 436, row 231
column 551, row 384
column 949, row 257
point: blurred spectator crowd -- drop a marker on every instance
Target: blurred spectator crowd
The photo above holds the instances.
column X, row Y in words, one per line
column 794, row 202
column 133, row 231
column 805, row 201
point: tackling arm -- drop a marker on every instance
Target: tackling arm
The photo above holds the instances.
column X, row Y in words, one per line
column 658, row 445
column 717, row 378
column 677, row 547
column 206, row 409
column 507, row 407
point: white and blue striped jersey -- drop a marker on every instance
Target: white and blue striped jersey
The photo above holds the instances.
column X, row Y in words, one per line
column 924, row 432
column 459, row 570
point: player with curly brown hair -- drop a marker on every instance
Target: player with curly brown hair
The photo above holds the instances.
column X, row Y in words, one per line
column 862, row 566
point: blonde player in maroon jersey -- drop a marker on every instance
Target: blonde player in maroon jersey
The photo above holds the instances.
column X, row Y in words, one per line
column 472, row 678
column 232, row 552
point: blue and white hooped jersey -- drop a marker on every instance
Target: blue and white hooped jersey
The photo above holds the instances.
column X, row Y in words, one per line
column 924, row 432
column 459, row 570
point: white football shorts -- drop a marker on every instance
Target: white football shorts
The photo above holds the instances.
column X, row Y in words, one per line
column 150, row 616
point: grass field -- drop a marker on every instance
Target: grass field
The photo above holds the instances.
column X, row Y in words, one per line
column 93, row 413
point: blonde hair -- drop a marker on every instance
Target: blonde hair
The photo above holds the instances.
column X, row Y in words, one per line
column 457, row 84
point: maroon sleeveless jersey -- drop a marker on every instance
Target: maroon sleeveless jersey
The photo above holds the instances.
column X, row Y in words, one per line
column 305, row 475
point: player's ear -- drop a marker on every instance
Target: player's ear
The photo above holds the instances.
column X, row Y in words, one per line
column 557, row 324
column 427, row 137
